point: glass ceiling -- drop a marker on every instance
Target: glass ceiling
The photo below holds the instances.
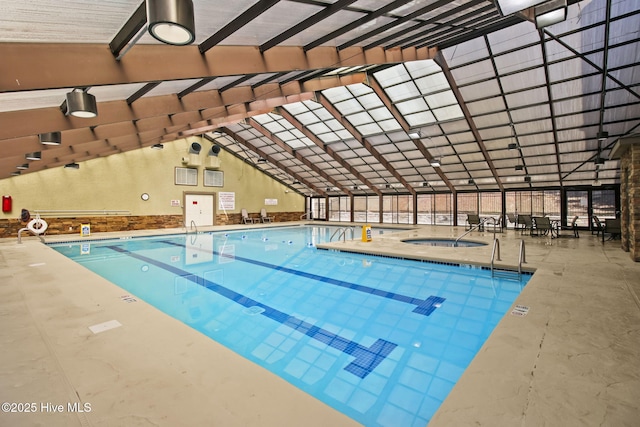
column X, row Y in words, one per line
column 534, row 105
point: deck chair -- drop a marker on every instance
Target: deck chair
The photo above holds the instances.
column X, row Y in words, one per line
column 494, row 224
column 526, row 222
column 264, row 217
column 474, row 220
column 596, row 225
column 613, row 227
column 513, row 220
column 246, row 219
column 542, row 226
column 573, row 226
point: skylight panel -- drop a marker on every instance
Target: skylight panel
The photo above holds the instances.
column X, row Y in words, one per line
column 432, row 83
column 473, row 72
column 419, row 69
column 390, row 125
column 349, row 106
column 441, row 99
column 448, row 113
column 420, row 119
column 403, row 91
column 412, row 106
column 369, row 129
column 392, row 76
column 483, row 89
column 380, row 114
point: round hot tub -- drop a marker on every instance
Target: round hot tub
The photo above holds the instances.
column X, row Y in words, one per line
column 447, row 243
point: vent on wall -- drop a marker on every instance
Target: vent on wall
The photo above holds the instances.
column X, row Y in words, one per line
column 186, row 176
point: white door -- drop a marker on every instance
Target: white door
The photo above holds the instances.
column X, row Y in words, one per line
column 199, row 209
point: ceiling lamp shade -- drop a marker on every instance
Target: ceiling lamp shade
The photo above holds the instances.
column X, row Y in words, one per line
column 50, row 138
column 157, row 147
column 435, row 163
column 416, row 134
column 171, row 21
column 72, row 166
column 551, row 13
column 34, row 156
column 603, row 135
column 80, row 104
column 507, row 7
column 23, row 166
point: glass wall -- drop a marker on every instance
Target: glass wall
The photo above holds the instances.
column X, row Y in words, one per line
column 437, row 208
column 534, row 203
column 467, row 204
column 443, row 211
column 318, row 208
column 490, row 205
column 366, row 209
column 397, row 209
column 578, row 205
column 426, row 212
column 340, row 208
column 603, row 204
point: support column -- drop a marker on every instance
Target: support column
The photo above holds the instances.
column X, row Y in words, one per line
column 628, row 150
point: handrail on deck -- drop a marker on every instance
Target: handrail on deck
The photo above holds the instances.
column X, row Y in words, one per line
column 481, row 223
column 305, row 214
column 522, row 257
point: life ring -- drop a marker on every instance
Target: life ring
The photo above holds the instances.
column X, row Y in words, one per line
column 37, row 226
column 25, row 216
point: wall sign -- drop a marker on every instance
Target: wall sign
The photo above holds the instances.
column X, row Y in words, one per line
column 227, row 200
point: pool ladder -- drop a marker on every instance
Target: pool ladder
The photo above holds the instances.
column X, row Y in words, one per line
column 191, row 226
column 507, row 274
column 342, row 232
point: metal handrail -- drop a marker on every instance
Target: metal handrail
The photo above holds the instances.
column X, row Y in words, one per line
column 193, row 225
column 75, row 212
column 343, row 233
column 496, row 245
column 334, row 233
column 305, row 214
column 470, row 230
column 522, row 257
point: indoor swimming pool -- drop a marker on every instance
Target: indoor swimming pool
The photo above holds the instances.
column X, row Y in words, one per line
column 382, row 340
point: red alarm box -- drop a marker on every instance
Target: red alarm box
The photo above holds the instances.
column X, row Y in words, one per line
column 6, row 204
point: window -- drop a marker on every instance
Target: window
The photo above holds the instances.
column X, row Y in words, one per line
column 186, row 176
column 213, row 178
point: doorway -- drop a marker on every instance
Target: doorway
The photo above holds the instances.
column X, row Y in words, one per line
column 199, row 208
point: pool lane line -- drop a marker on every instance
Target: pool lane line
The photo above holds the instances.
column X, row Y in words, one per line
column 424, row 307
column 366, row 358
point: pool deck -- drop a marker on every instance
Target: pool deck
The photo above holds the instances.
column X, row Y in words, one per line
column 572, row 360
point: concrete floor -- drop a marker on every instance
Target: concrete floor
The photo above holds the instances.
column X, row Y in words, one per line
column 572, row 360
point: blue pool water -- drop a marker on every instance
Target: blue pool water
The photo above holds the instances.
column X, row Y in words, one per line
column 382, row 340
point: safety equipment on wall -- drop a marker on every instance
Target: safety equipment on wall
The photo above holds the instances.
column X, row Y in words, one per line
column 25, row 216
column 37, row 225
column 6, row 204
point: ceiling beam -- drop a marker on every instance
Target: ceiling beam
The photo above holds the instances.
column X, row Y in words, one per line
column 327, row 149
column 17, row 124
column 373, row 84
column 277, row 163
column 94, row 65
column 257, row 126
column 362, row 140
column 442, row 62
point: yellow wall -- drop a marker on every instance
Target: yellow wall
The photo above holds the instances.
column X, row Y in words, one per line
column 116, row 183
